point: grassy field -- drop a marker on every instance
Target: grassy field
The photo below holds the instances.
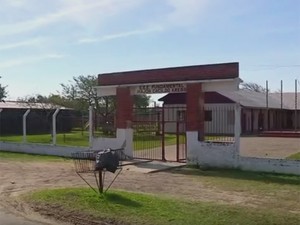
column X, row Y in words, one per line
column 119, row 207
column 295, row 156
column 75, row 138
column 281, row 190
column 30, row 157
column 233, row 179
column 78, row 138
column 153, row 141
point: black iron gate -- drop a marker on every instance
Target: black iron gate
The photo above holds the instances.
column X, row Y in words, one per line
column 159, row 133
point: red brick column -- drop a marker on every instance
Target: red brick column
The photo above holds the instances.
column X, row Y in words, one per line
column 195, row 109
column 124, row 107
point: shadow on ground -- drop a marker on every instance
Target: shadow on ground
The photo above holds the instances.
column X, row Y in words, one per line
column 121, row 200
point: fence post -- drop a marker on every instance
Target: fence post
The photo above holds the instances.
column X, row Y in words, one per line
column 90, row 126
column 54, row 126
column 24, row 125
column 237, row 127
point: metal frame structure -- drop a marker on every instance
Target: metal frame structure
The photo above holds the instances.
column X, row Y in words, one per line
column 152, row 127
column 85, row 163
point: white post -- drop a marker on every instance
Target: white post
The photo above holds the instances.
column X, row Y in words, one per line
column 237, row 127
column 24, row 125
column 54, row 126
column 90, row 126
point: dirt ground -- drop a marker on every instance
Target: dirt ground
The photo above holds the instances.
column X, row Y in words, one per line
column 18, row 177
column 269, row 147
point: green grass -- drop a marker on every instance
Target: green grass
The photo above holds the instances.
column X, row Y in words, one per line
column 74, row 138
column 295, row 156
column 30, row 157
column 77, row 138
column 147, row 141
column 133, row 208
column 143, row 140
column 281, row 190
column 231, row 179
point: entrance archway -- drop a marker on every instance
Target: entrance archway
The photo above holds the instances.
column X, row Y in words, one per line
column 193, row 80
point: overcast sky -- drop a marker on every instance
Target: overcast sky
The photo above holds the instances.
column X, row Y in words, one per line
column 46, row 42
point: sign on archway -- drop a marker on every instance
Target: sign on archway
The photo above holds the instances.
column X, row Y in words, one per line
column 160, row 88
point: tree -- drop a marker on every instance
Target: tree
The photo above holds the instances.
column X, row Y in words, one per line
column 141, row 101
column 3, row 92
column 250, row 86
column 81, row 92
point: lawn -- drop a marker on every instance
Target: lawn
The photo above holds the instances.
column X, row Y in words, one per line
column 119, row 207
column 295, row 156
column 74, row 138
column 281, row 190
column 148, row 141
column 77, row 138
column 30, row 157
column 142, row 140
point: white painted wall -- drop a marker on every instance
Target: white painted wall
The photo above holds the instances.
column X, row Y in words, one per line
column 210, row 154
column 270, row 165
column 124, row 138
column 106, row 90
column 207, row 85
column 226, row 155
column 225, row 85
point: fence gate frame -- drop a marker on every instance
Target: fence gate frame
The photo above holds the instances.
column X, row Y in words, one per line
column 152, row 127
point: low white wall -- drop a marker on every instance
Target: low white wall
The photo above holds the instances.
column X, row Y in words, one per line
column 210, row 154
column 227, row 156
column 270, row 165
column 42, row 149
column 124, row 139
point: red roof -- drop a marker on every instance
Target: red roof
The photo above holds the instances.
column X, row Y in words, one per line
column 174, row 74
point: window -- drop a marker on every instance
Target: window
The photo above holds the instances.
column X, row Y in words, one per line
column 208, row 115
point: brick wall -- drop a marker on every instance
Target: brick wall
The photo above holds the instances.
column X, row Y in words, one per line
column 195, row 109
column 124, row 107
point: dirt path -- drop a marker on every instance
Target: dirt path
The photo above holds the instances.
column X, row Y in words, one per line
column 18, row 177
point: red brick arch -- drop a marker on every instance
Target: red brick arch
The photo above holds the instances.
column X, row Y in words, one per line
column 192, row 75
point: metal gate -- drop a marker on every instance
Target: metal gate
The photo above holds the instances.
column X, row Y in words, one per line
column 159, row 133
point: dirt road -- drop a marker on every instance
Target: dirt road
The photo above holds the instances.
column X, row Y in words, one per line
column 8, row 218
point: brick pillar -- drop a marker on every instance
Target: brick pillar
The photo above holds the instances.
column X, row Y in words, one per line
column 195, row 109
column 124, row 107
